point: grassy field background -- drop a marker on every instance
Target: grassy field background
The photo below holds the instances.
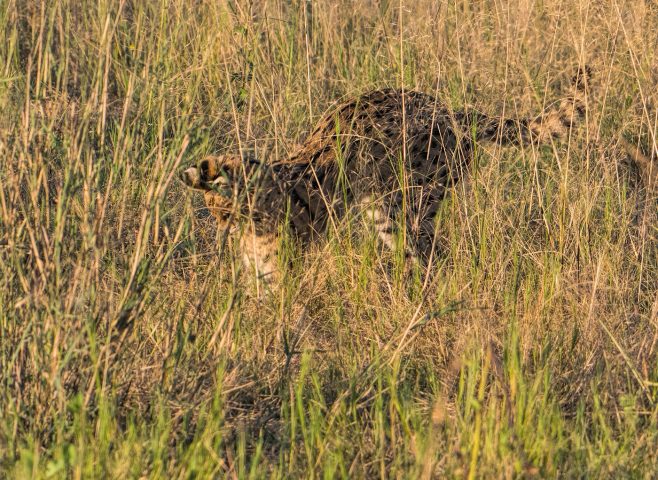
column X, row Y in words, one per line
column 134, row 344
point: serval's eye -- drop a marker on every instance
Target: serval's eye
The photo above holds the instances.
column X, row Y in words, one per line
column 222, row 178
column 222, row 183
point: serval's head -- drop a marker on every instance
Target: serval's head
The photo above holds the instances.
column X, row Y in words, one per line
column 237, row 188
column 222, row 178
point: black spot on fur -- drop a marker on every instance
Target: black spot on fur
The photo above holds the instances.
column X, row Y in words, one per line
column 298, row 200
column 565, row 121
column 204, row 168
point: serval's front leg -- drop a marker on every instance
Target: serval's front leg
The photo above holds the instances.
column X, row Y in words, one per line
column 385, row 221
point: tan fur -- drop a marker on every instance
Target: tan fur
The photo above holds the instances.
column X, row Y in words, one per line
column 647, row 166
column 557, row 122
column 388, row 155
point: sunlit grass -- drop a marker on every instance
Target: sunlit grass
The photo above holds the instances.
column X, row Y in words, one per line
column 134, row 343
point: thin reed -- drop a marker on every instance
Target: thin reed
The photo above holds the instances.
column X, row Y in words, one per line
column 134, row 344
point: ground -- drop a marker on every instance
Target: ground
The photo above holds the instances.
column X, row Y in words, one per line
column 133, row 343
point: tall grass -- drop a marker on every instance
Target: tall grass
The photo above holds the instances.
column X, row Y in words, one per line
column 133, row 343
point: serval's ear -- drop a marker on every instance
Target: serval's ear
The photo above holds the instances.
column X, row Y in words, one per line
column 209, row 169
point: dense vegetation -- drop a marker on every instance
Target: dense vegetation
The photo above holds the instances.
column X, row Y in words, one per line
column 133, row 342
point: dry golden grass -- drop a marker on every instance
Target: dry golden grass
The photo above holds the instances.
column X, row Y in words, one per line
column 132, row 342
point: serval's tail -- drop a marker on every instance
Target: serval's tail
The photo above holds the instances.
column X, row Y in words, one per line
column 554, row 123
